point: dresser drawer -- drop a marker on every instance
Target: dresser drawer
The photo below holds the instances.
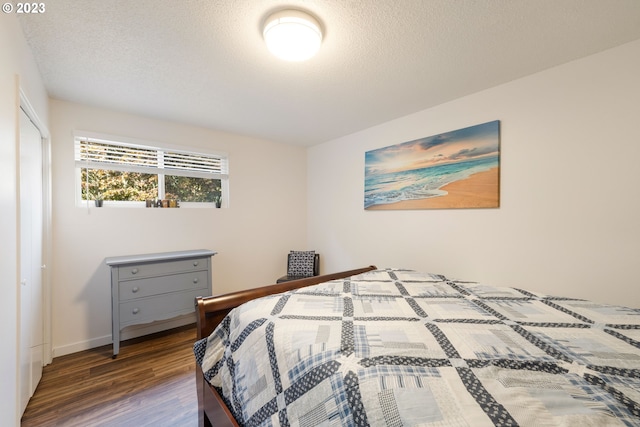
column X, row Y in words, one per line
column 150, row 286
column 132, row 271
column 159, row 307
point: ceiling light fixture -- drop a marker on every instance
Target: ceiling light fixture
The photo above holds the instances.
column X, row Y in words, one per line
column 292, row 35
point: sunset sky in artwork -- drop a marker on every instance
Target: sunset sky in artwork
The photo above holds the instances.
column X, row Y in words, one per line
column 451, row 147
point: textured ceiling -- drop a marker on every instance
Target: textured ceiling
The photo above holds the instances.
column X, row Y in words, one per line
column 203, row 62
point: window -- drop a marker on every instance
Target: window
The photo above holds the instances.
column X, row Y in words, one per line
column 130, row 172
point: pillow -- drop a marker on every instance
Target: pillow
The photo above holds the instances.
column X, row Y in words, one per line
column 301, row 263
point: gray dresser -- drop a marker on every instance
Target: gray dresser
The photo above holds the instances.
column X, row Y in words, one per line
column 150, row 287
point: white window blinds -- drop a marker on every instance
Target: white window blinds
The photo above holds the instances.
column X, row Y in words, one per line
column 108, row 155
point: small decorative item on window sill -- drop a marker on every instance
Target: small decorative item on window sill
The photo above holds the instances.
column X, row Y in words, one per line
column 165, row 203
column 98, row 203
column 218, row 201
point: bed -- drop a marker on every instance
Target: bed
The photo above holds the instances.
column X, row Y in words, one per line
column 398, row 347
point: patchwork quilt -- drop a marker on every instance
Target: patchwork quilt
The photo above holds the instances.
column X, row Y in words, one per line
column 397, row 347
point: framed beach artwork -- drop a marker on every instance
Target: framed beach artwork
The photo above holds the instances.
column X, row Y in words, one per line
column 457, row 169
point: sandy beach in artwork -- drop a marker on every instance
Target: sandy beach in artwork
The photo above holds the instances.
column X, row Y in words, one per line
column 480, row 190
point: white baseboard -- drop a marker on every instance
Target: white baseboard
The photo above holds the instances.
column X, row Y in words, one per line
column 127, row 333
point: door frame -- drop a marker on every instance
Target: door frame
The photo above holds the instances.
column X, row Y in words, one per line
column 26, row 106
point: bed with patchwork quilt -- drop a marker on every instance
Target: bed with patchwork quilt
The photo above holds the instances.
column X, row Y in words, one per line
column 395, row 347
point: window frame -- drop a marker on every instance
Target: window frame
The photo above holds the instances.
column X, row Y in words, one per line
column 149, row 145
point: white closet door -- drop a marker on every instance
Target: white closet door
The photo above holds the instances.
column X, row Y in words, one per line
column 31, row 240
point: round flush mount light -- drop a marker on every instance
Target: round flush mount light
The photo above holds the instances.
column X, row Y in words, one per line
column 292, row 35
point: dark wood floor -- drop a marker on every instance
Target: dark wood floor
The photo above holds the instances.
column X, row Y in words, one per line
column 150, row 383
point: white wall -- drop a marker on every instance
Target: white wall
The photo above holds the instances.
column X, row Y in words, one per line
column 17, row 68
column 266, row 219
column 570, row 195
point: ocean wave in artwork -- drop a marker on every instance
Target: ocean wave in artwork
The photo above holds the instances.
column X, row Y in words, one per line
column 381, row 189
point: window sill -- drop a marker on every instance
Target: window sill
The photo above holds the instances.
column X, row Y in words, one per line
column 142, row 205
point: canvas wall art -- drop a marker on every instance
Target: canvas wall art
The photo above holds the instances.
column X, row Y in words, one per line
column 457, row 169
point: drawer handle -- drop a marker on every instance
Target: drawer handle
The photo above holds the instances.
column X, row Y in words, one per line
column 134, row 271
column 195, row 263
column 136, row 310
column 135, row 289
column 195, row 280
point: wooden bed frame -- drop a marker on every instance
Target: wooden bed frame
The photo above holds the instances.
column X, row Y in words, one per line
column 211, row 310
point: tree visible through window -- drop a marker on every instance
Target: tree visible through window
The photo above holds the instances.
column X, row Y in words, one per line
column 115, row 185
column 115, row 171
